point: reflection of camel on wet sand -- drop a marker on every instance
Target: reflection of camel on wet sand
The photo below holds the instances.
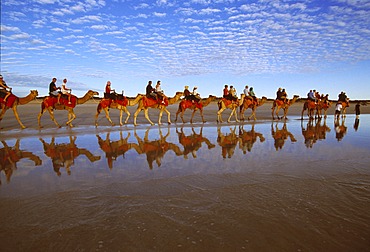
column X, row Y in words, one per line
column 314, row 131
column 278, row 104
column 193, row 142
column 64, row 154
column 51, row 103
column 13, row 101
column 114, row 149
column 340, row 128
column 228, row 104
column 146, row 103
column 10, row 156
column 120, row 103
column 187, row 104
column 281, row 135
column 248, row 138
column 228, row 142
column 250, row 103
column 155, row 149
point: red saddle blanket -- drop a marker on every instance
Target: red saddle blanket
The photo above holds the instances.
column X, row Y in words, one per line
column 53, row 100
column 149, row 102
column 9, row 101
column 187, row 104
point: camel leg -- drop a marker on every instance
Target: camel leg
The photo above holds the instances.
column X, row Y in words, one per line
column 177, row 113
column 135, row 115
column 219, row 115
column 168, row 115
column 253, row 114
column 182, row 116
column 241, row 114
column 17, row 117
column 106, row 111
column 272, row 112
column 128, row 115
column 3, row 110
column 146, row 114
column 71, row 117
column 52, row 117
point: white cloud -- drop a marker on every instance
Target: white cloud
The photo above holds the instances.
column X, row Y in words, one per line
column 5, row 28
column 157, row 14
column 99, row 27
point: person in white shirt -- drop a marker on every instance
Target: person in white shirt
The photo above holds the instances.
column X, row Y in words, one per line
column 66, row 91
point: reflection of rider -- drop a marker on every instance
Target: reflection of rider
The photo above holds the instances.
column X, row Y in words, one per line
column 281, row 135
column 113, row 149
column 156, row 149
column 340, row 129
column 248, row 138
column 227, row 142
column 193, row 142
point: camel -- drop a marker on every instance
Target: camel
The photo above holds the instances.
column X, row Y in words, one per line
column 10, row 156
column 311, row 107
column 113, row 149
column 227, row 104
column 278, row 104
column 281, row 135
column 228, row 142
column 13, row 101
column 322, row 105
column 186, row 104
column 193, row 142
column 156, row 149
column 145, row 103
column 250, row 103
column 64, row 154
column 50, row 104
column 248, row 138
column 120, row 104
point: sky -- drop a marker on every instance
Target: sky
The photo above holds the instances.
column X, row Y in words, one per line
column 265, row 44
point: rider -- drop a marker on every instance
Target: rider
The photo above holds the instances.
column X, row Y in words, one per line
column 159, row 92
column 150, row 91
column 4, row 88
column 187, row 93
column 232, row 94
column 53, row 89
column 252, row 94
column 195, row 95
column 66, row 91
column 109, row 93
column 311, row 95
column 226, row 92
column 342, row 97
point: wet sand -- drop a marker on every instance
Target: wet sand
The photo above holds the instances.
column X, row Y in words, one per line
column 85, row 115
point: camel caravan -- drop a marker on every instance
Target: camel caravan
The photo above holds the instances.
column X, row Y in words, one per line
column 60, row 98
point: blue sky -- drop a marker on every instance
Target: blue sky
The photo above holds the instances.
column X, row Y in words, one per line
column 267, row 44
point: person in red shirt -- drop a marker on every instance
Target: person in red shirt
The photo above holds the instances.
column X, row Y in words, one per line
column 226, row 92
column 108, row 90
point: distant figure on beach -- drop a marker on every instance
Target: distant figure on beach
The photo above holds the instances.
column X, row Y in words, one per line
column 53, row 89
column 66, row 91
column 4, row 88
column 357, row 110
column 338, row 109
column 150, row 91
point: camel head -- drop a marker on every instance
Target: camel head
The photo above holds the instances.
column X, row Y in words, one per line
column 92, row 93
column 34, row 93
